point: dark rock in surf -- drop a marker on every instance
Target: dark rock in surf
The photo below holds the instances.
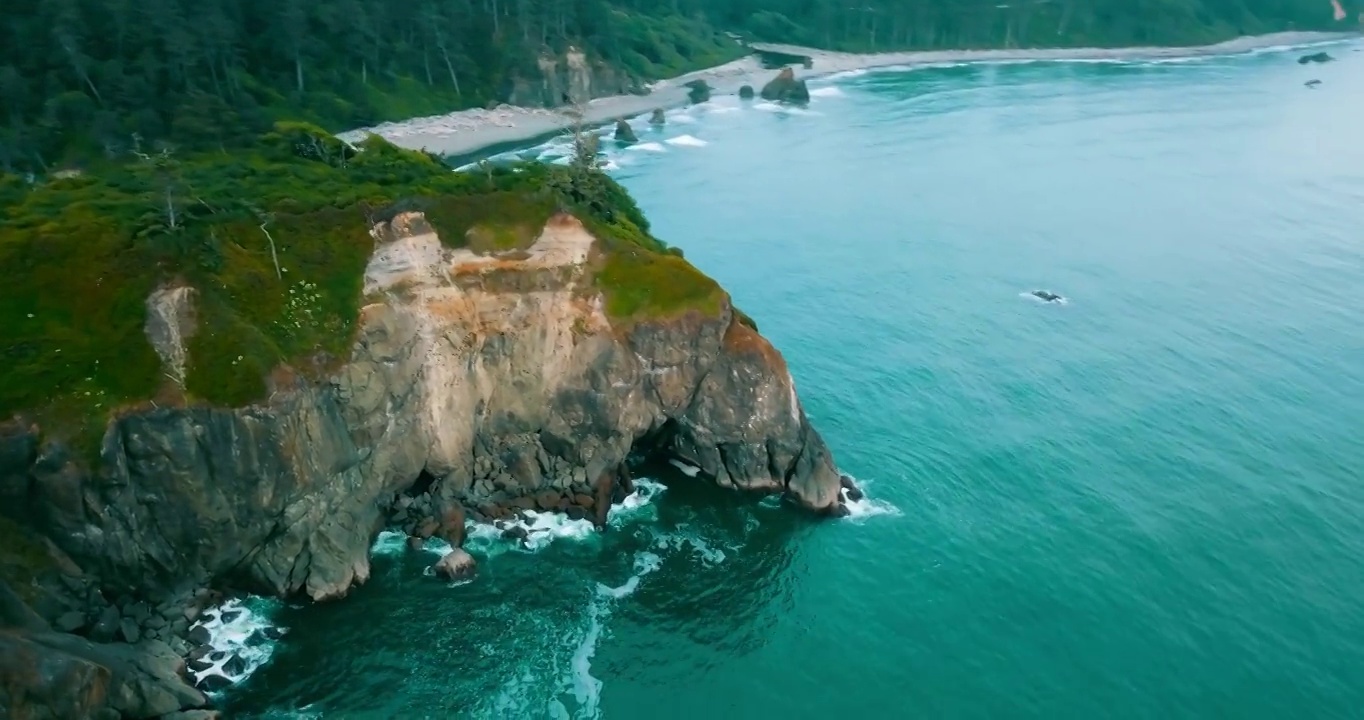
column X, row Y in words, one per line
column 1320, row 57
column 624, row 133
column 658, row 118
column 850, row 489
column 1046, row 296
column 456, row 565
column 746, row 92
column 698, row 91
column 213, row 682
column 1312, row 83
column 786, row 88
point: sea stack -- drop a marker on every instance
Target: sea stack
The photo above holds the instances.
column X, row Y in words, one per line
column 698, row 91
column 624, row 133
column 746, row 92
column 657, row 118
column 786, row 88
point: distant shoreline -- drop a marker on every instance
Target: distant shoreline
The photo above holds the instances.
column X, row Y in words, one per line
column 471, row 132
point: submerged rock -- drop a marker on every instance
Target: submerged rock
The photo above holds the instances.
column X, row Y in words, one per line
column 456, row 565
column 746, row 92
column 624, row 133
column 658, row 117
column 1320, row 57
column 1312, row 83
column 1047, row 296
column 786, row 88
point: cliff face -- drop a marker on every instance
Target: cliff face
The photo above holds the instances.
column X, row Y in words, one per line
column 570, row 79
column 490, row 381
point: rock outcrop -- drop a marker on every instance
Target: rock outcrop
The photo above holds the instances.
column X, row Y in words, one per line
column 496, row 382
column 746, row 92
column 657, row 117
column 786, row 88
column 1319, row 57
column 569, row 79
column 625, row 133
column 698, row 91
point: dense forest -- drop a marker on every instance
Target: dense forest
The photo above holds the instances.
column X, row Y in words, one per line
column 85, row 79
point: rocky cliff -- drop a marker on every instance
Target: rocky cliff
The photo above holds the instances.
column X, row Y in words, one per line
column 479, row 384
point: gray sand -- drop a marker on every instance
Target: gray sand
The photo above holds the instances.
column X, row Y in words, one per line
column 469, row 131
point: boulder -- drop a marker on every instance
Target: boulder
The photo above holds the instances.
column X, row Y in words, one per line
column 456, row 565
column 428, row 528
column 746, row 92
column 235, row 666
column 1320, row 57
column 624, row 133
column 213, row 682
column 70, row 621
column 415, row 543
column 786, row 88
column 452, row 526
column 199, row 635
column 548, row 500
column 128, row 630
column 698, row 91
column 658, row 118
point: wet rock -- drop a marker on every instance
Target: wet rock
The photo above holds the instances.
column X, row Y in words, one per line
column 199, row 635
column 70, row 622
column 698, row 91
column 583, row 501
column 1319, row 57
column 127, row 629
column 657, row 117
column 624, row 133
column 213, row 682
column 548, row 501
column 427, row 528
column 515, row 532
column 456, row 565
column 198, row 665
column 601, row 503
column 840, row 510
column 415, row 543
column 235, row 666
column 577, row 512
column 139, row 612
column 229, row 616
column 746, row 92
column 786, row 88
column 155, row 622
column 193, row 715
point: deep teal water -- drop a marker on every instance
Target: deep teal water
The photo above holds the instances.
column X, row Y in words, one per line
column 1146, row 503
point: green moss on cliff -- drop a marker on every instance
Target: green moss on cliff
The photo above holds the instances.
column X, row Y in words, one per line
column 82, row 255
column 640, row 284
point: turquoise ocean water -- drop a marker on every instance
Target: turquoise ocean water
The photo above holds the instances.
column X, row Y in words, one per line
column 1147, row 502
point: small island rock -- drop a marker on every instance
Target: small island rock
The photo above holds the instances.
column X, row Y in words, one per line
column 1320, row 57
column 658, row 118
column 786, row 88
column 746, row 92
column 456, row 565
column 624, row 133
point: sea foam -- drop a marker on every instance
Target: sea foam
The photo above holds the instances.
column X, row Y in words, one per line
column 686, row 141
column 239, row 628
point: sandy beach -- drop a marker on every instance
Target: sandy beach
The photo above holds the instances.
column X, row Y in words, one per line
column 469, row 131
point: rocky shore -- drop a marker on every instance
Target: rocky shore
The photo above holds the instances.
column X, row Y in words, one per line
column 480, row 387
column 468, row 132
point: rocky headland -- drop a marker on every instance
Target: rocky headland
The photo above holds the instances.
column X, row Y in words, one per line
column 517, row 363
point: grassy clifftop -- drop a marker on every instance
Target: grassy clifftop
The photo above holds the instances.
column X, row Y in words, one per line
column 275, row 242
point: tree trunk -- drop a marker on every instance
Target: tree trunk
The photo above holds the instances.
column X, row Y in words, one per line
column 454, row 79
column 298, row 69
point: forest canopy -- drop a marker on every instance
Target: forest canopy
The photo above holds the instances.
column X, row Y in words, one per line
column 82, row 80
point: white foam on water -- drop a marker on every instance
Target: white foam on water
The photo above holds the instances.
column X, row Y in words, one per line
column 686, row 141
column 685, row 468
column 826, row 92
column 847, row 74
column 866, row 507
column 544, row 528
column 586, row 687
column 648, row 147
column 611, row 165
column 722, row 110
column 685, row 539
column 681, row 119
column 389, row 542
column 636, row 504
column 237, row 628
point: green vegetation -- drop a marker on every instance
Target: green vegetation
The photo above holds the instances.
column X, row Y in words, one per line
column 275, row 241
column 83, row 80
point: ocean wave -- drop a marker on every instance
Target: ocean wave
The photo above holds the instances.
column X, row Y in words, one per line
column 866, row 507
column 648, row 147
column 687, row 141
column 242, row 638
column 829, row 91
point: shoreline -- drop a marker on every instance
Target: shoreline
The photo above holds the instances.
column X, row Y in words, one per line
column 470, row 133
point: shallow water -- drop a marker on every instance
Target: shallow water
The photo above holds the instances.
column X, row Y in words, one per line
column 1146, row 502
